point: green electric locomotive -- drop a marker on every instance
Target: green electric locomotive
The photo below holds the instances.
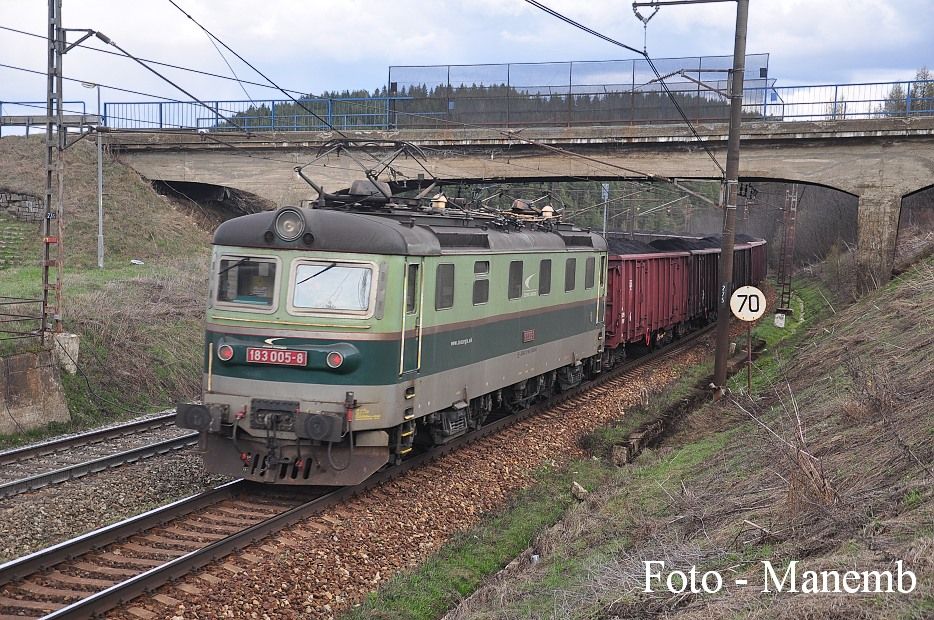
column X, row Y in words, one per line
column 337, row 339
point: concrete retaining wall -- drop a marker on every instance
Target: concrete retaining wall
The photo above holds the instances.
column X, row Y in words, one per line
column 31, row 394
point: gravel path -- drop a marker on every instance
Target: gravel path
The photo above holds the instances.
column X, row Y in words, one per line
column 34, row 520
column 328, row 562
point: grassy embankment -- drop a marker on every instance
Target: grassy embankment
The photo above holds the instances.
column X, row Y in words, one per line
column 827, row 461
column 140, row 325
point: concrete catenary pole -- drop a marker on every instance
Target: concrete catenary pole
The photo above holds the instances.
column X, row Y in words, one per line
column 729, row 193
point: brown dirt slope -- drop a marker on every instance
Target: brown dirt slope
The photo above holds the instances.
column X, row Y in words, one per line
column 830, row 463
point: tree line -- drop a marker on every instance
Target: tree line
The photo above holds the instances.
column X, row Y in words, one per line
column 920, row 97
column 440, row 106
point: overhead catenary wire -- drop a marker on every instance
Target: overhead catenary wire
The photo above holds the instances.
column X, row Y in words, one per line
column 109, row 41
column 229, row 66
column 651, row 63
column 327, row 124
column 106, row 86
column 251, row 66
column 408, row 114
column 156, row 62
column 509, row 134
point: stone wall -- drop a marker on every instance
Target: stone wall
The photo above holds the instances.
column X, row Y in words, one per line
column 22, row 206
column 31, row 394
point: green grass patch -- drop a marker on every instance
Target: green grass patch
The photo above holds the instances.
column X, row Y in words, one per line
column 141, row 338
column 913, row 499
column 646, row 490
column 810, row 302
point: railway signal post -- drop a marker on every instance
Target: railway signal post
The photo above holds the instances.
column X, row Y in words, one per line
column 748, row 304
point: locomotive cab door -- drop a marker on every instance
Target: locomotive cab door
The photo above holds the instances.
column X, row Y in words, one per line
column 410, row 357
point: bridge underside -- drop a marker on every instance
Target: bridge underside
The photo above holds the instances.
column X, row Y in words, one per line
column 879, row 161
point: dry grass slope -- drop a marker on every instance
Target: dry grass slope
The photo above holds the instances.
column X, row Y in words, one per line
column 830, row 464
column 138, row 223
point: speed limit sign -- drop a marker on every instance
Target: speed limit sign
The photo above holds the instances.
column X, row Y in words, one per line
column 747, row 303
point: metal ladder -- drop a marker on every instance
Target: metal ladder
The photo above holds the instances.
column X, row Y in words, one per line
column 786, row 261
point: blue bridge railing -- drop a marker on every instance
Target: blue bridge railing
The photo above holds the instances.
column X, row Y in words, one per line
column 528, row 106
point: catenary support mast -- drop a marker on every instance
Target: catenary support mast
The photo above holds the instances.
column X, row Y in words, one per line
column 728, row 193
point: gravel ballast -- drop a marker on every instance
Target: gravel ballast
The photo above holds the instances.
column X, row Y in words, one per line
column 328, row 562
column 34, row 520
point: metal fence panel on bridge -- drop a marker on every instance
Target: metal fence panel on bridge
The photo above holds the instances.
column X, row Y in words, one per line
column 569, row 93
column 553, row 94
column 315, row 114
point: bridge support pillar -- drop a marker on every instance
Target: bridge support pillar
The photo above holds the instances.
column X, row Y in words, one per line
column 875, row 241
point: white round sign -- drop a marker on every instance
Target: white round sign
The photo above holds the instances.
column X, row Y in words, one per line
column 747, row 303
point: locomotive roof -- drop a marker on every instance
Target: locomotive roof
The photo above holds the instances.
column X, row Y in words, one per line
column 403, row 234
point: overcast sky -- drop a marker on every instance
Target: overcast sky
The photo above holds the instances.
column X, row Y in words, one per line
column 316, row 45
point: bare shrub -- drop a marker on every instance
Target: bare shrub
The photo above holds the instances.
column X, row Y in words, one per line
column 874, row 389
column 142, row 337
column 839, row 271
column 808, row 484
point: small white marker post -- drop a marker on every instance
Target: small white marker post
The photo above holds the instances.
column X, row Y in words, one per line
column 748, row 304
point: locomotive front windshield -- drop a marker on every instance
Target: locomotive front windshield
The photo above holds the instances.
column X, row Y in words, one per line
column 246, row 280
column 332, row 287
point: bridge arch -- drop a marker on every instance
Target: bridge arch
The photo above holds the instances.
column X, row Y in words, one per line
column 878, row 160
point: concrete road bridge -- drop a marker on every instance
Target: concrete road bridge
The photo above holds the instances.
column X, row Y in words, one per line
column 879, row 160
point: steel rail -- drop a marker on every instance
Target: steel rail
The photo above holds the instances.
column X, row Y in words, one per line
column 57, row 445
column 109, row 598
column 99, row 464
column 115, row 532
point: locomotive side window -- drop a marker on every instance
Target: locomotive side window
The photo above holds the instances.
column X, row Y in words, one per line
column 544, row 277
column 570, row 275
column 515, row 279
column 589, row 272
column 332, row 287
column 444, row 287
column 481, row 285
column 411, row 289
column 246, row 280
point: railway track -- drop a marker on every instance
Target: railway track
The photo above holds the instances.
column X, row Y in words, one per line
column 96, row 572
column 53, row 462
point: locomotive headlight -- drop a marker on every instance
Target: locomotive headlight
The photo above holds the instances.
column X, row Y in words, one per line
column 290, row 224
column 225, row 352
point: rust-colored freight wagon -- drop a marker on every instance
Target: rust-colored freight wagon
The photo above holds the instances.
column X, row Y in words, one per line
column 647, row 295
column 655, row 291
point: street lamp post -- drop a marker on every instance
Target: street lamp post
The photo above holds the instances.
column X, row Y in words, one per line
column 100, row 180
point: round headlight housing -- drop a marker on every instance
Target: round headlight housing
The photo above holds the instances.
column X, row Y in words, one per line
column 290, row 224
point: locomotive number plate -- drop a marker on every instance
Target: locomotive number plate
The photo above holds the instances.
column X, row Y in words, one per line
column 282, row 357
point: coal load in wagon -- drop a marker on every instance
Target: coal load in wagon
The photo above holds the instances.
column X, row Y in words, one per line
column 629, row 246
column 684, row 245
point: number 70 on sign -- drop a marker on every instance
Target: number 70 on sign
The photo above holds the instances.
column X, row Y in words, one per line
column 747, row 303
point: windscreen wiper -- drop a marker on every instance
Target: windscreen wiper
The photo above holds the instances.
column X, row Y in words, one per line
column 315, row 275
